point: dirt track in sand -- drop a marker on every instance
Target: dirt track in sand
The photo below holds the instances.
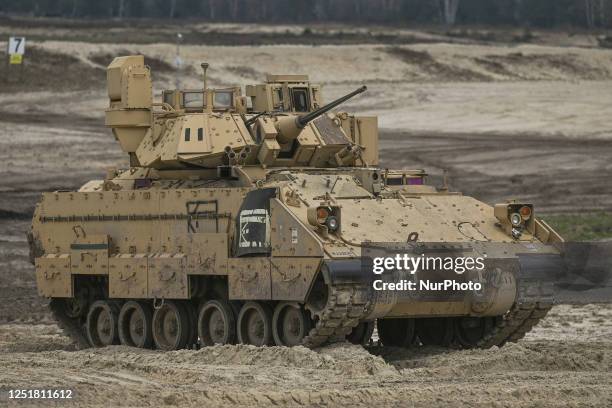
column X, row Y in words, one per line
column 565, row 361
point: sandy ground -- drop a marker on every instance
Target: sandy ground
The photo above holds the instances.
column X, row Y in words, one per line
column 528, row 121
column 565, row 361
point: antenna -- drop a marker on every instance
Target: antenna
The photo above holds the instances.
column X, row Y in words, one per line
column 204, row 66
column 444, row 180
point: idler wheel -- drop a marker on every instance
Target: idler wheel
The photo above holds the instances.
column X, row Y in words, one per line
column 255, row 324
column 470, row 330
column 135, row 325
column 435, row 331
column 317, row 300
column 216, row 323
column 170, row 326
column 76, row 307
column 290, row 324
column 101, row 325
column 362, row 333
column 396, row 332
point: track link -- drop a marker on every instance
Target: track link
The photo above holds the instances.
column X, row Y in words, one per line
column 515, row 324
column 70, row 326
column 346, row 306
column 534, row 300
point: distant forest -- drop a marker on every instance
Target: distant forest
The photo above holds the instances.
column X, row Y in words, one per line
column 525, row 13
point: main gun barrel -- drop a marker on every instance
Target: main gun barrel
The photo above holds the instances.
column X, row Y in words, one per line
column 290, row 127
column 304, row 119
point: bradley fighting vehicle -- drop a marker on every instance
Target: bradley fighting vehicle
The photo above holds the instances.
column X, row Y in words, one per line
column 243, row 219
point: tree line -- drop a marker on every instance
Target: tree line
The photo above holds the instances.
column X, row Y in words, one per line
column 531, row 13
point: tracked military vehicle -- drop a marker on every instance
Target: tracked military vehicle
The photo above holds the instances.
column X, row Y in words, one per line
column 244, row 218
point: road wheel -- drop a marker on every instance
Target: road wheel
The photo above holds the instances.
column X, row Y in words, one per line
column 290, row 324
column 255, row 324
column 135, row 325
column 470, row 330
column 101, row 325
column 396, row 332
column 170, row 326
column 436, row 331
column 216, row 323
column 362, row 333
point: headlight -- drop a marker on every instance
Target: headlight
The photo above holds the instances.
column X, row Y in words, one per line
column 525, row 212
column 322, row 214
column 325, row 216
column 516, row 219
column 332, row 224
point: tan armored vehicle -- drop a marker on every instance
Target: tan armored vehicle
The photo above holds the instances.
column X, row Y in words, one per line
column 245, row 218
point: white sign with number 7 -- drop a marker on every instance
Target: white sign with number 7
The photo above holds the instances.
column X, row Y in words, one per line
column 16, row 45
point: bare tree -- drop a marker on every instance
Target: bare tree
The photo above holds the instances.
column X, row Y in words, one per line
column 357, row 8
column 518, row 4
column 264, row 10
column 172, row 8
column 320, row 10
column 449, row 9
column 121, row 9
column 391, row 5
column 75, row 4
column 602, row 13
column 234, row 9
column 590, row 13
column 212, row 9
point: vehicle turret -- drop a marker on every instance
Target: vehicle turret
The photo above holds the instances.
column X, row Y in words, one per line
column 211, row 127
